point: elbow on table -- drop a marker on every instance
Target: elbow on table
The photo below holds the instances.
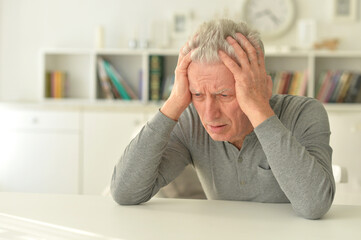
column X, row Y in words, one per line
column 127, row 198
column 128, row 195
column 314, row 210
column 125, row 194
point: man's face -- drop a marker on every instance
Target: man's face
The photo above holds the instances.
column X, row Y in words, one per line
column 214, row 97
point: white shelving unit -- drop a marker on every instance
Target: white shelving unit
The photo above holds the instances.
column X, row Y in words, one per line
column 81, row 67
column 134, row 66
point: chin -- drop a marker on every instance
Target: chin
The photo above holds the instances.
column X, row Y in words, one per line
column 218, row 137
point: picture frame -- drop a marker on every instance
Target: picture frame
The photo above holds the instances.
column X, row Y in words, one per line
column 345, row 10
column 180, row 26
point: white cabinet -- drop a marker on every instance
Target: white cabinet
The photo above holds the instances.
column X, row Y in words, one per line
column 68, row 150
column 105, row 136
column 75, row 148
column 346, row 145
column 39, row 151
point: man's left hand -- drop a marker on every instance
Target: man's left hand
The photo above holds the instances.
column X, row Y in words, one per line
column 253, row 85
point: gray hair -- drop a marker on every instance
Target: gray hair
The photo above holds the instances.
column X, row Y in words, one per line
column 211, row 37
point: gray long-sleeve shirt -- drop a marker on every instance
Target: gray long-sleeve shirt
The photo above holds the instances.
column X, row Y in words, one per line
column 287, row 158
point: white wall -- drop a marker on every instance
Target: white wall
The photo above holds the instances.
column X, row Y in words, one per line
column 0, row 43
column 28, row 25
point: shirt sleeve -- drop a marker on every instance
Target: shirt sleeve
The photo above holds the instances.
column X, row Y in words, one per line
column 300, row 158
column 152, row 159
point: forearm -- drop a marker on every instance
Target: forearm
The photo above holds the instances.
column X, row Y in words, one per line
column 172, row 109
column 136, row 177
column 303, row 173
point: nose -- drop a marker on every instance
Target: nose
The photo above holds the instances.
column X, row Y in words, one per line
column 212, row 109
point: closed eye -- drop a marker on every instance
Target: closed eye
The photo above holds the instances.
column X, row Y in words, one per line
column 225, row 97
column 197, row 96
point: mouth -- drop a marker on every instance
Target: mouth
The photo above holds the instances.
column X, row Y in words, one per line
column 217, row 128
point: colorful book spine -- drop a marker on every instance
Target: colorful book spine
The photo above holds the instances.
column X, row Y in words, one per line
column 287, row 82
column 124, row 83
column 156, row 66
column 56, row 85
column 104, row 80
column 338, row 86
column 123, row 93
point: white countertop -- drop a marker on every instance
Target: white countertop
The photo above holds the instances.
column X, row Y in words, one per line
column 102, row 218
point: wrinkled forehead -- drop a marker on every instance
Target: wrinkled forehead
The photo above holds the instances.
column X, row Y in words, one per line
column 213, row 76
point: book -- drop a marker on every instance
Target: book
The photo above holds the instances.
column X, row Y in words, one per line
column 336, row 89
column 302, row 91
column 104, row 80
column 319, row 83
column 56, row 85
column 287, row 82
column 294, row 84
column 280, row 76
column 332, row 86
column 354, row 89
column 156, row 65
column 345, row 86
column 326, row 79
column 341, row 83
column 124, row 83
column 116, row 82
column 48, row 84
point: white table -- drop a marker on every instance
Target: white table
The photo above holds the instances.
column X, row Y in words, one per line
column 99, row 217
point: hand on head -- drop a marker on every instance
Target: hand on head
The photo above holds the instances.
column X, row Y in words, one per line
column 180, row 96
column 253, row 85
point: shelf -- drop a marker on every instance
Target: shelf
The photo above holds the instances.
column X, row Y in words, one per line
column 133, row 65
column 343, row 107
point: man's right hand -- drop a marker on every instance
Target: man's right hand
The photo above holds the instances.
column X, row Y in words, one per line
column 180, row 96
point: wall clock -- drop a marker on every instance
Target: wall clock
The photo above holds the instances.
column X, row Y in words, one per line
column 271, row 18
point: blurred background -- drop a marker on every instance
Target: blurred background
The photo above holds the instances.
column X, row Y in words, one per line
column 64, row 122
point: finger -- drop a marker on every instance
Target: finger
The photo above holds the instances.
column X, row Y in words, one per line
column 261, row 60
column 255, row 53
column 184, row 63
column 249, row 49
column 230, row 63
column 241, row 55
column 183, row 51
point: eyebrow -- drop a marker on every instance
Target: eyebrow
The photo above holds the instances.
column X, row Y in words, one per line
column 216, row 93
column 221, row 91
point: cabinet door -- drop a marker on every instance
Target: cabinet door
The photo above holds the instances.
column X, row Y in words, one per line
column 346, row 144
column 39, row 152
column 106, row 134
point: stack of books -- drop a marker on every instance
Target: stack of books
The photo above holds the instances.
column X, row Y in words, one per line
column 338, row 87
column 113, row 85
column 56, row 84
column 286, row 82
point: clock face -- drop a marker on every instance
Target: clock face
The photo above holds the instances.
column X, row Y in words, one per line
column 270, row 17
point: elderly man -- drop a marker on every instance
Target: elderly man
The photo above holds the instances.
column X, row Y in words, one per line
column 221, row 117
